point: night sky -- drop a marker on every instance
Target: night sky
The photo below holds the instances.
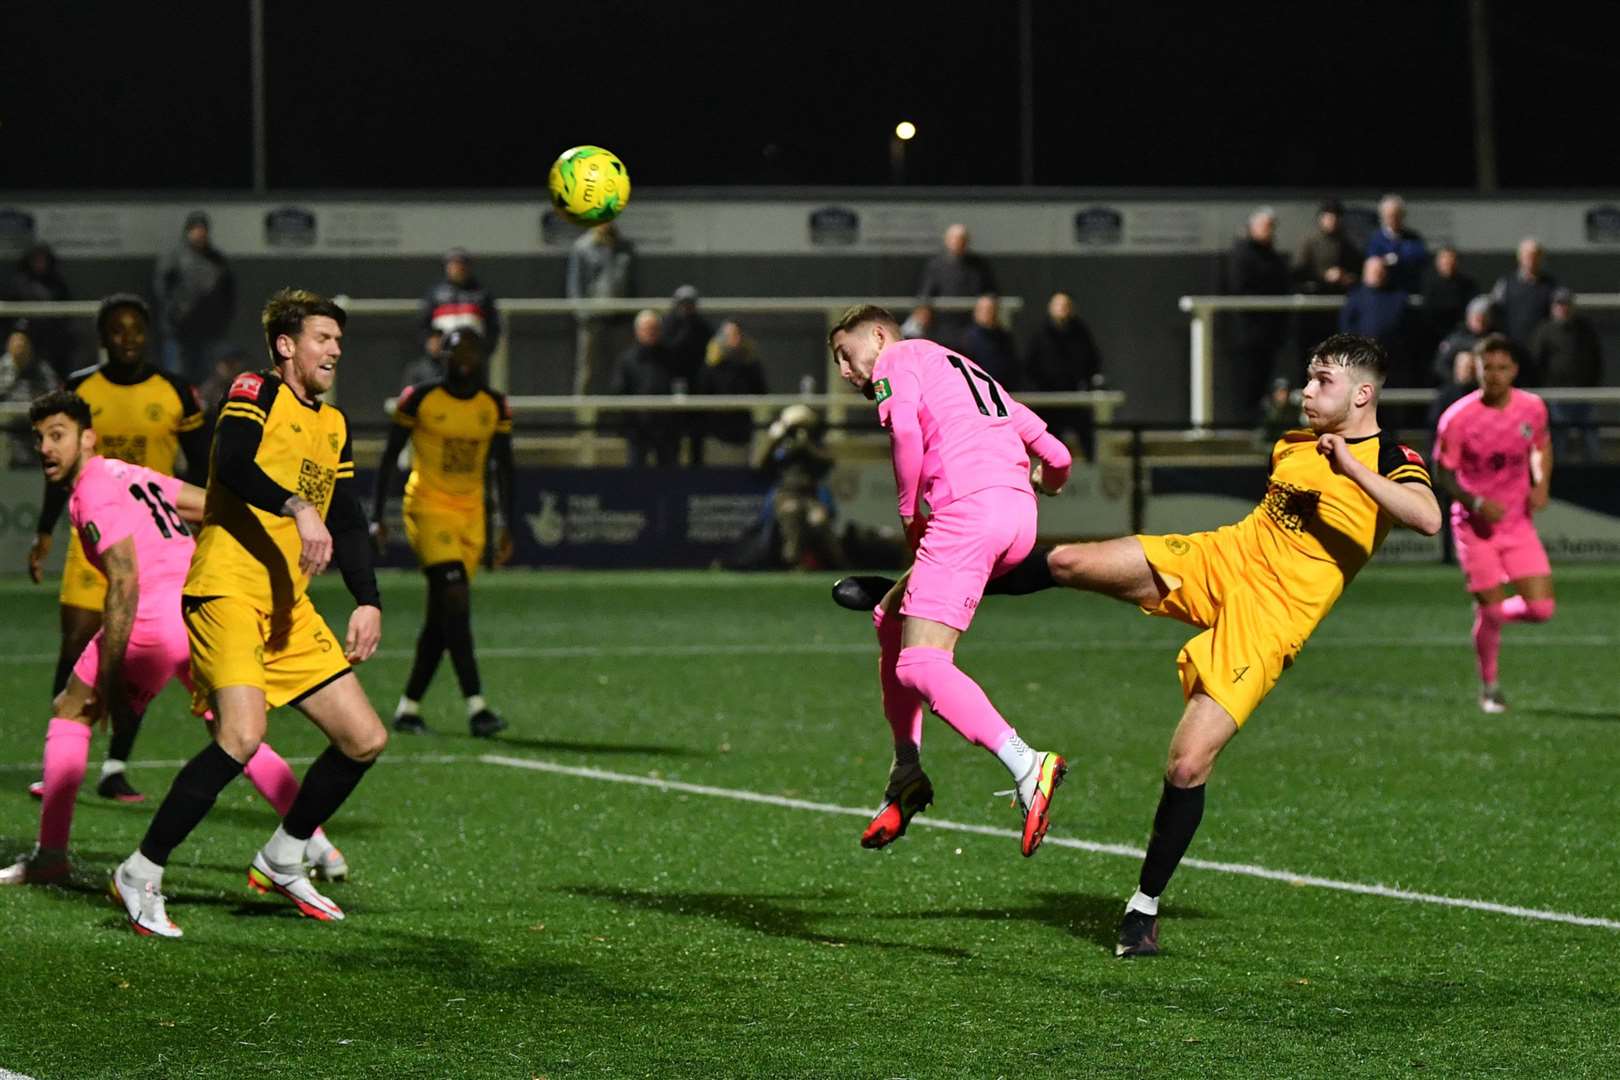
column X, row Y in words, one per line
column 478, row 96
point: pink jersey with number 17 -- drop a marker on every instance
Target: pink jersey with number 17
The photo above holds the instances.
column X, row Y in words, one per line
column 116, row 499
column 973, row 434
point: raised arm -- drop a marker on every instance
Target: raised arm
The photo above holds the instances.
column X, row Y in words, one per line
column 1054, row 457
column 1410, row 502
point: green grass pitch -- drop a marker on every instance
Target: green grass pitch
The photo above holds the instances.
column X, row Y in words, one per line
column 510, row 922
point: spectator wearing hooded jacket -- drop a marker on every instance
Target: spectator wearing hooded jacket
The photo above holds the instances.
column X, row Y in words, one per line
column 196, row 297
column 459, row 300
column 38, row 280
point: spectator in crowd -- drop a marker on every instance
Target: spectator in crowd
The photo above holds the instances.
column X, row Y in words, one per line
column 428, row 364
column 955, row 273
column 1279, row 414
column 460, row 299
column 1376, row 308
column 800, row 504
column 601, row 266
column 686, row 334
column 37, row 279
column 1446, row 293
column 1328, row 263
column 731, row 366
column 1062, row 356
column 988, row 344
column 227, row 367
column 1524, row 299
column 1254, row 268
column 1567, row 352
column 1459, row 381
column 24, row 376
column 1478, row 320
column 196, row 298
column 919, row 324
column 1402, row 249
column 647, row 367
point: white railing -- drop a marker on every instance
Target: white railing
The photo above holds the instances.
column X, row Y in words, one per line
column 1201, row 340
column 829, row 307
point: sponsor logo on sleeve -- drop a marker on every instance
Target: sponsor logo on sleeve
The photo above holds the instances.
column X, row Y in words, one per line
column 881, row 391
column 246, row 387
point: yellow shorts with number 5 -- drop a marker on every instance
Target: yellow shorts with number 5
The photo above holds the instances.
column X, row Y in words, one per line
column 287, row 654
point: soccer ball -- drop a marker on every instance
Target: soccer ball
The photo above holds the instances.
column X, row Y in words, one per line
column 589, row 185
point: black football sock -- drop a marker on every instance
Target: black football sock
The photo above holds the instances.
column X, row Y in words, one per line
column 190, row 798
column 64, row 668
column 329, row 781
column 1031, row 575
column 1174, row 823
column 458, row 635
column 429, row 645
column 122, row 743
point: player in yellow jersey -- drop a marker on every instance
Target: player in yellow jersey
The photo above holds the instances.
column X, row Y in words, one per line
column 280, row 506
column 455, row 425
column 1257, row 588
column 143, row 415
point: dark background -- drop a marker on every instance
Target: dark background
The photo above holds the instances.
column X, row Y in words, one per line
column 475, row 95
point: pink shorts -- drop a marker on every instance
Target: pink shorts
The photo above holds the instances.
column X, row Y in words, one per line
column 1507, row 554
column 974, row 539
column 158, row 651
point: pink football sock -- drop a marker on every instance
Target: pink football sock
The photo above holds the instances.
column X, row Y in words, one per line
column 67, row 748
column 269, row 772
column 901, row 704
column 1517, row 609
column 1487, row 639
column 955, row 698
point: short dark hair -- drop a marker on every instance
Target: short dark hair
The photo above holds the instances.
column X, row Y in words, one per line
column 66, row 402
column 117, row 302
column 1496, row 343
column 463, row 333
column 285, row 312
column 1353, row 351
column 859, row 315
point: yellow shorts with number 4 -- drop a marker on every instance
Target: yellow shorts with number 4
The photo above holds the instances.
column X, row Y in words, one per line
column 1247, row 642
column 83, row 586
column 289, row 654
column 441, row 534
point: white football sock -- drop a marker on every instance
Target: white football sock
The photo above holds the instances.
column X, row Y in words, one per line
column 110, row 766
column 475, row 704
column 1141, row 901
column 282, row 850
column 143, row 869
column 1018, row 757
column 406, row 707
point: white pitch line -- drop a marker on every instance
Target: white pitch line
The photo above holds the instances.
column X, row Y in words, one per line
column 855, row 648
column 7, row 1074
column 1124, row 850
column 395, row 759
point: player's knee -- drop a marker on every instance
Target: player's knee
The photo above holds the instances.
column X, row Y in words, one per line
column 1539, row 610
column 919, row 666
column 366, row 745
column 1189, row 770
column 1067, row 564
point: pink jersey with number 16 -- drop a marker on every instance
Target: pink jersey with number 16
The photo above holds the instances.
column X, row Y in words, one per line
column 974, row 435
column 116, row 499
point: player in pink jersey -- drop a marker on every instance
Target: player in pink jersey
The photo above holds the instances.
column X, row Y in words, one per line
column 132, row 522
column 962, row 444
column 1493, row 455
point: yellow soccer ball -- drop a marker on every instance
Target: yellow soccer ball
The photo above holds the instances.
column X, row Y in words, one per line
column 589, row 185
